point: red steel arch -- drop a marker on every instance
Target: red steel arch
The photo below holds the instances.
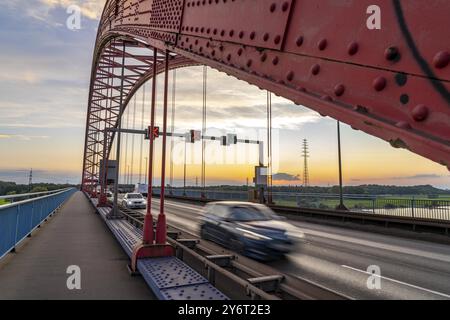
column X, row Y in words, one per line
column 392, row 83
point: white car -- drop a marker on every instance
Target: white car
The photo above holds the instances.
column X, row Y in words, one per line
column 134, row 201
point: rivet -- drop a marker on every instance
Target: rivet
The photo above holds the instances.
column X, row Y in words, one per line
column 315, row 69
column 441, row 59
column 239, row 51
column 392, row 54
column 290, row 76
column 273, row 7
column 277, row 39
column 322, row 45
column 420, row 112
column 379, row 83
column 403, row 125
column 339, row 90
column 353, row 48
column 401, row 79
column 275, row 61
column 299, row 41
column 264, row 57
column 285, row 6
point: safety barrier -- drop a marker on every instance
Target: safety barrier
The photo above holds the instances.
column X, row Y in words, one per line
column 19, row 219
column 428, row 209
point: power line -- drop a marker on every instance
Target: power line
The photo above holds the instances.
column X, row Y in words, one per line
column 305, row 155
column 30, row 180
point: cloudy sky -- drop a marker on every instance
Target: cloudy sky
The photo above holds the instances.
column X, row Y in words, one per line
column 44, row 82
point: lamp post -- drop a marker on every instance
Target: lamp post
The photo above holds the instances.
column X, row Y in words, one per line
column 341, row 205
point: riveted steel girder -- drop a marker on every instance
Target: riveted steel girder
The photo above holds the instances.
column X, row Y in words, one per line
column 392, row 82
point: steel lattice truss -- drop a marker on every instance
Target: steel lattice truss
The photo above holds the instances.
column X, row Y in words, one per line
column 392, row 83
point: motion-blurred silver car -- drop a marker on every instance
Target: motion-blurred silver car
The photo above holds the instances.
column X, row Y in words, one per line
column 134, row 201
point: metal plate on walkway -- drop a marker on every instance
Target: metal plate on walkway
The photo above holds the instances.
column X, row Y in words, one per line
column 170, row 272
column 171, row 279
column 203, row 291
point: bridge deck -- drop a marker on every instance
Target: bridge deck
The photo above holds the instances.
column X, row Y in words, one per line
column 74, row 236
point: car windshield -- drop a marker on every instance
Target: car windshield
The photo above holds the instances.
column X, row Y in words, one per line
column 249, row 213
column 134, row 196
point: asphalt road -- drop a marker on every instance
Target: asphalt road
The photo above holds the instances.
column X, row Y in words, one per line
column 339, row 258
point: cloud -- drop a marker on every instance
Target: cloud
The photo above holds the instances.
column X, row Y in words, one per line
column 21, row 136
column 285, row 177
column 420, row 176
column 91, row 9
column 49, row 11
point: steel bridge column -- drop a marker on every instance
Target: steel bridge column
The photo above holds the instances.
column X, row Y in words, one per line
column 148, row 237
column 161, row 236
column 103, row 178
column 119, row 127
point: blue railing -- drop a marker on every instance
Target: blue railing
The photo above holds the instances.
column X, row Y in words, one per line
column 19, row 219
column 385, row 205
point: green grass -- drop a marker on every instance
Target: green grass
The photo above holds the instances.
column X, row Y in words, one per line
column 381, row 202
column 3, row 202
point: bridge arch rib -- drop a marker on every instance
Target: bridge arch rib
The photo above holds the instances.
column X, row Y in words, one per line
column 392, row 83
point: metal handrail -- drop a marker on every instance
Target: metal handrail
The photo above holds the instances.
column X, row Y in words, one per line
column 24, row 195
column 46, row 195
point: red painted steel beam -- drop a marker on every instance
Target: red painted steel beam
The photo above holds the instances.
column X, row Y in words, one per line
column 392, row 83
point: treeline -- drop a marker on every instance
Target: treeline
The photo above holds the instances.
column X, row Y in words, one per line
column 371, row 189
column 9, row 188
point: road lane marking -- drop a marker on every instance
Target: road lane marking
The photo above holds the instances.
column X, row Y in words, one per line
column 399, row 282
column 378, row 245
column 180, row 206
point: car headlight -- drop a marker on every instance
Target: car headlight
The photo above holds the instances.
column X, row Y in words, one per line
column 253, row 235
column 130, row 203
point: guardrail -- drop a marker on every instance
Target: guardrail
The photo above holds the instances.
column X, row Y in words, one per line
column 19, row 219
column 392, row 206
column 23, row 196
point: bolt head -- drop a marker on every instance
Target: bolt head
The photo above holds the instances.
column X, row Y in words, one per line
column 420, row 112
column 315, row 69
column 339, row 90
column 379, row 83
column 353, row 48
column 441, row 59
column 391, row 53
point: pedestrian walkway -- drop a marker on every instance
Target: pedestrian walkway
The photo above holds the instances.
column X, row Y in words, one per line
column 75, row 236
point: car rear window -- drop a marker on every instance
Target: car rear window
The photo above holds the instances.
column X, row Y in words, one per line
column 134, row 196
column 248, row 213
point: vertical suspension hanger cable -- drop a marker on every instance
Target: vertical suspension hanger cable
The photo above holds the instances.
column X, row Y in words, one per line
column 142, row 128
column 205, row 75
column 132, row 140
column 269, row 147
column 125, row 165
column 172, row 129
